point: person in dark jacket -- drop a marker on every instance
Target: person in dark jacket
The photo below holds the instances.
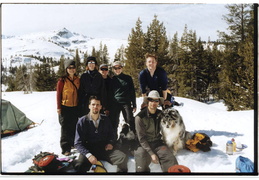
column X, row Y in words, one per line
column 154, row 78
column 123, row 97
column 152, row 148
column 104, row 70
column 95, row 140
column 67, row 101
column 91, row 83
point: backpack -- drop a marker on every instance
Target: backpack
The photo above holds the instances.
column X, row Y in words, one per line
column 244, row 165
column 199, row 141
column 46, row 162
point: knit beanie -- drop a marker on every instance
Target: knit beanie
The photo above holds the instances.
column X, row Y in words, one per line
column 91, row 58
column 69, row 62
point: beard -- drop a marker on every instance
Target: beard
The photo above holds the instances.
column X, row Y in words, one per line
column 95, row 111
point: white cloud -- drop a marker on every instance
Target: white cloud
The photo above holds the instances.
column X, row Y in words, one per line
column 112, row 20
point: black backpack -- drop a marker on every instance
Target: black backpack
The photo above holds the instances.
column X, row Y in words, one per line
column 46, row 162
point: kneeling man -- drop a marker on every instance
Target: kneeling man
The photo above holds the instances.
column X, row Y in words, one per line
column 94, row 140
column 152, row 148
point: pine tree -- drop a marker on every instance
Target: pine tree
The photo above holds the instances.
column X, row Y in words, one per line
column 134, row 54
column 104, row 55
column 172, row 70
column 61, row 70
column 22, row 79
column 78, row 63
column 186, row 74
column 236, row 85
column 46, row 78
column 120, row 54
column 155, row 41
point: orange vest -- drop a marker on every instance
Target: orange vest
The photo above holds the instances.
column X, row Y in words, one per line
column 70, row 92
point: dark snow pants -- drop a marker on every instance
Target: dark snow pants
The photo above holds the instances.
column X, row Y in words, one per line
column 114, row 157
column 143, row 159
column 127, row 113
column 68, row 119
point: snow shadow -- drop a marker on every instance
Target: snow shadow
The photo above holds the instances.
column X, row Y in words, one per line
column 217, row 133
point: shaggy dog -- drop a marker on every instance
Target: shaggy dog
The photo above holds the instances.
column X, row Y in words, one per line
column 127, row 141
column 173, row 129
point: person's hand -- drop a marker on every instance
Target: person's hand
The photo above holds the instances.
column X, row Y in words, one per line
column 154, row 159
column 134, row 110
column 92, row 159
column 59, row 111
column 108, row 147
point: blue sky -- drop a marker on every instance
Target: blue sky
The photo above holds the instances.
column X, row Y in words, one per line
column 113, row 20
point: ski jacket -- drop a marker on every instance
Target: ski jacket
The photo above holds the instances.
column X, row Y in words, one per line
column 67, row 91
column 122, row 89
column 148, row 128
column 86, row 135
column 92, row 83
column 157, row 82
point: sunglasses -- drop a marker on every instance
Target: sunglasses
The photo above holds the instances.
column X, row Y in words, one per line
column 72, row 67
column 91, row 62
column 116, row 68
column 104, row 69
column 153, row 100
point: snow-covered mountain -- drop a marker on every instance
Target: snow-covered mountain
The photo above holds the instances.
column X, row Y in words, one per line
column 17, row 50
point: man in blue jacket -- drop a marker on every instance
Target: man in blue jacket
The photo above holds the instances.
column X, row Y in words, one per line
column 154, row 78
column 95, row 140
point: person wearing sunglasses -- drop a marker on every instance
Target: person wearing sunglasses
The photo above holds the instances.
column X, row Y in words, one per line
column 152, row 148
column 67, row 102
column 123, row 97
column 104, row 70
column 91, row 84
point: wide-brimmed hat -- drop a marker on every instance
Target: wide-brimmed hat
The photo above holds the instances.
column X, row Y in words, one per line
column 154, row 94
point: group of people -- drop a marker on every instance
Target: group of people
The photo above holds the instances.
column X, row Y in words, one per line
column 89, row 110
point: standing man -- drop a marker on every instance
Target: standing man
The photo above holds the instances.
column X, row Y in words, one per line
column 95, row 140
column 152, row 148
column 154, row 78
column 123, row 97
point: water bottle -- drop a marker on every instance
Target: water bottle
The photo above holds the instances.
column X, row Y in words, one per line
column 234, row 144
column 229, row 148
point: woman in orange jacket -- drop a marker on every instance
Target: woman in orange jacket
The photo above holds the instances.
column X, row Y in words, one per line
column 67, row 106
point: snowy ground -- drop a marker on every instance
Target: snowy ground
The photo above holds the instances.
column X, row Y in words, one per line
column 214, row 120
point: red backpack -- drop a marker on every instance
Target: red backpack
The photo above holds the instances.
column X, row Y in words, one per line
column 46, row 162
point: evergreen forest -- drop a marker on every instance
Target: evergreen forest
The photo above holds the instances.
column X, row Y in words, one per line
column 204, row 71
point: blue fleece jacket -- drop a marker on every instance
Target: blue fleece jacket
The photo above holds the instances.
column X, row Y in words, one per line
column 87, row 135
column 157, row 82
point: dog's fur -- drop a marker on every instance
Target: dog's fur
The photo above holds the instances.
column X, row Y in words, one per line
column 173, row 129
column 127, row 141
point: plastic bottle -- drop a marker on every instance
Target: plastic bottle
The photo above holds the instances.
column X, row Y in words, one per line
column 234, row 144
column 229, row 148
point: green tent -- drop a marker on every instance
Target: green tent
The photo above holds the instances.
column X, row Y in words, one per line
column 12, row 119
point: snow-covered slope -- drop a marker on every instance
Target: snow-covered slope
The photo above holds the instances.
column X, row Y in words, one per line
column 52, row 44
column 214, row 120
